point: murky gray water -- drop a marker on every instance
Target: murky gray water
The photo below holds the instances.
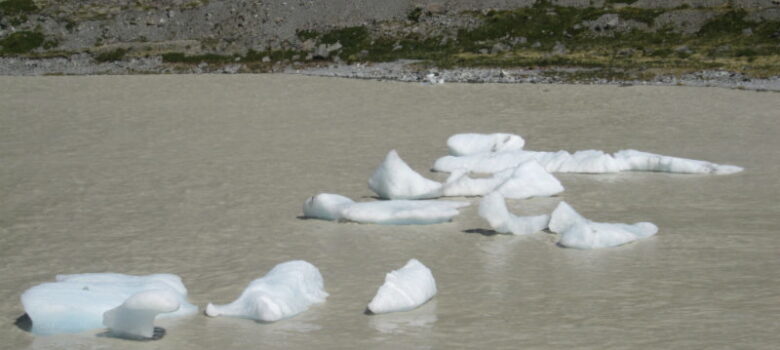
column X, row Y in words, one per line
column 204, row 177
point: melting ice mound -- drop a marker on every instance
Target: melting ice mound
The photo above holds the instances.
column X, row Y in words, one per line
column 394, row 179
column 467, row 144
column 526, row 180
column 285, row 291
column 643, row 161
column 493, row 209
column 578, row 232
column 404, row 289
column 76, row 303
column 135, row 317
column 589, row 161
column 393, row 212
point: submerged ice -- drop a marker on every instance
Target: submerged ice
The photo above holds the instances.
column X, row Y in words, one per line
column 76, row 303
column 588, row 161
column 287, row 290
column 404, row 289
column 579, row 232
column 392, row 212
column 493, row 209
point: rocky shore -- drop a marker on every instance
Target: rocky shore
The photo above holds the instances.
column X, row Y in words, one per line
column 692, row 42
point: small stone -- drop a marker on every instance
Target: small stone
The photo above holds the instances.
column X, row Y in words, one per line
column 559, row 49
column 436, row 8
column 499, row 48
column 266, row 59
column 747, row 31
column 536, row 45
column 308, row 45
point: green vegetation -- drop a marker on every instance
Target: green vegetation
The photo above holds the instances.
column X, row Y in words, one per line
column 414, row 14
column 17, row 7
column 111, row 56
column 547, row 36
column 21, row 42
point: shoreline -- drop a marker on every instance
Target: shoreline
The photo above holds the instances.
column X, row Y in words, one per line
column 402, row 70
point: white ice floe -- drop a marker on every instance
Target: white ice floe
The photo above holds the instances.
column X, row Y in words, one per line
column 579, row 232
column 392, row 212
column 467, row 144
column 526, row 180
column 493, row 209
column 643, row 161
column 588, row 161
column 285, row 291
column 326, row 206
column 135, row 317
column 404, row 289
column 76, row 303
column 394, row 179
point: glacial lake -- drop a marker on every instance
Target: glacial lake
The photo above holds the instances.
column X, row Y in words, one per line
column 204, row 176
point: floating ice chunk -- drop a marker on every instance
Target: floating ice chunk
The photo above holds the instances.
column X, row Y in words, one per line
column 486, row 163
column 135, row 317
column 643, row 161
column 394, row 179
column 404, row 212
column 285, row 291
column 392, row 212
column 578, row 232
column 326, row 206
column 526, row 180
column 404, row 289
column 460, row 184
column 493, row 209
column 467, row 144
column 76, row 303
column 589, row 161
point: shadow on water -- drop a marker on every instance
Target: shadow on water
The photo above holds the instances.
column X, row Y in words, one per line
column 481, row 231
column 24, row 322
column 158, row 334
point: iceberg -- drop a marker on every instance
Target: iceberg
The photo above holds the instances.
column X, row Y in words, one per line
column 76, row 303
column 588, row 161
column 526, row 180
column 392, row 212
column 404, row 289
column 493, row 209
column 394, row 179
column 134, row 319
column 468, row 144
column 579, row 232
column 530, row 179
column 285, row 291
column 642, row 161
column 326, row 206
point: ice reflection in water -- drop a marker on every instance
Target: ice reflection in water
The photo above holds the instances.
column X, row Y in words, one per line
column 415, row 321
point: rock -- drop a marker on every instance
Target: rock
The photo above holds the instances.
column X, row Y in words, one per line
column 499, row 48
column 684, row 49
column 483, row 51
column 559, row 49
column 308, row 45
column 747, row 31
column 266, row 59
column 536, row 45
column 436, row 8
column 324, row 50
column 519, row 40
